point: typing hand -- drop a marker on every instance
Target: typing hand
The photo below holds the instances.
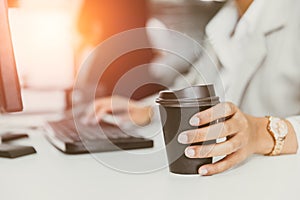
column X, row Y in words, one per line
column 117, row 110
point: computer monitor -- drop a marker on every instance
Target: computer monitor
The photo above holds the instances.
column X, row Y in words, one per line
column 10, row 92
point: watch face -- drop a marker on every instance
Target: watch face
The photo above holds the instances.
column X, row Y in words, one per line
column 278, row 127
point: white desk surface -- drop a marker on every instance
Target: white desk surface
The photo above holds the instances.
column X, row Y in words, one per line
column 50, row 175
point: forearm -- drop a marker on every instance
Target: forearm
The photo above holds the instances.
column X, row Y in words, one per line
column 291, row 143
column 265, row 142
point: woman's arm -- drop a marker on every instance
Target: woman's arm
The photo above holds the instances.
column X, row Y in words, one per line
column 246, row 135
column 265, row 142
column 295, row 122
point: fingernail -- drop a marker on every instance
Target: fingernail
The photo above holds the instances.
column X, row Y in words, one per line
column 190, row 153
column 183, row 138
column 203, row 172
column 194, row 121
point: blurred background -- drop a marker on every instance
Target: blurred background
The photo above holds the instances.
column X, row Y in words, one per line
column 53, row 38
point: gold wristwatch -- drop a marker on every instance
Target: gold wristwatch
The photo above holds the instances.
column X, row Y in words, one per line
column 278, row 129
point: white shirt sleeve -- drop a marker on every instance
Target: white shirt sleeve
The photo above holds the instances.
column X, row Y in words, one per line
column 295, row 121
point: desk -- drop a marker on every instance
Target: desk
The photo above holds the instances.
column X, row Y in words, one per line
column 50, row 175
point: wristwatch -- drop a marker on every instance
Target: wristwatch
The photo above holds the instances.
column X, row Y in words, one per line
column 278, row 129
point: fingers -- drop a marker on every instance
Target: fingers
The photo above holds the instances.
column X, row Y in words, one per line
column 224, row 164
column 219, row 111
column 220, row 130
column 96, row 111
column 233, row 128
column 93, row 118
column 220, row 149
column 115, row 105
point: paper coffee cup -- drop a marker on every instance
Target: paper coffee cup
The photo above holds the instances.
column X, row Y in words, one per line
column 176, row 109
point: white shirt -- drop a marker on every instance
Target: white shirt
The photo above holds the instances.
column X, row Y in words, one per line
column 259, row 65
